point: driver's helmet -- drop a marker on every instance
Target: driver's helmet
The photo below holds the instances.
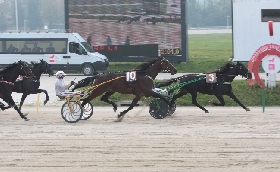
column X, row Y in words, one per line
column 60, row 74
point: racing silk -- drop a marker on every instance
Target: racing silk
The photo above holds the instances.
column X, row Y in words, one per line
column 60, row 87
column 160, row 91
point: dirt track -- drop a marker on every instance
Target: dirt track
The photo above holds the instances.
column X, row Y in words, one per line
column 226, row 139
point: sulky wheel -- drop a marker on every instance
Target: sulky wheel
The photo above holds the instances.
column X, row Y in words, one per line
column 88, row 111
column 158, row 108
column 74, row 115
column 172, row 109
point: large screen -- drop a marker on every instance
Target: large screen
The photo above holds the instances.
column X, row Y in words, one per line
column 133, row 22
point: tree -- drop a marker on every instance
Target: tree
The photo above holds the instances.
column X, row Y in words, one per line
column 20, row 13
column 52, row 12
column 4, row 8
column 3, row 24
column 33, row 15
column 194, row 14
column 203, row 13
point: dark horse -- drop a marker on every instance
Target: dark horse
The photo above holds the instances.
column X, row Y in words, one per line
column 9, row 75
column 31, row 85
column 197, row 83
column 142, row 86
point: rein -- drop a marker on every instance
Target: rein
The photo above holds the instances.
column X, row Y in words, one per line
column 226, row 75
column 7, row 82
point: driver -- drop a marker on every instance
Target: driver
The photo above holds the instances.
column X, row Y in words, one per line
column 60, row 86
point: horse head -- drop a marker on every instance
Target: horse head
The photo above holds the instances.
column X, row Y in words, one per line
column 25, row 69
column 153, row 67
column 46, row 68
column 166, row 66
column 243, row 71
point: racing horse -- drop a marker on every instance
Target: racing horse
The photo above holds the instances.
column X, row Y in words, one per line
column 146, row 67
column 142, row 86
column 31, row 85
column 8, row 76
column 194, row 83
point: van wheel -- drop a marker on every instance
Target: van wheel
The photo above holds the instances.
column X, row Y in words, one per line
column 88, row 70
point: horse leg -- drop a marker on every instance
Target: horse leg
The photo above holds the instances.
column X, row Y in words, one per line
column 105, row 97
column 10, row 101
column 2, row 106
column 194, row 96
column 95, row 93
column 176, row 96
column 20, row 113
column 220, row 98
column 133, row 103
column 22, row 100
column 231, row 95
column 46, row 93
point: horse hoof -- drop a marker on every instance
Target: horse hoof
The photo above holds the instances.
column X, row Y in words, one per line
column 206, row 111
column 26, row 119
column 247, row 109
column 120, row 118
column 115, row 109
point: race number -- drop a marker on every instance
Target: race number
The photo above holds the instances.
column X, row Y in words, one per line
column 211, row 78
column 131, row 76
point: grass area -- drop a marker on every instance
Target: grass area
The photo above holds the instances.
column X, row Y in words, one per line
column 206, row 53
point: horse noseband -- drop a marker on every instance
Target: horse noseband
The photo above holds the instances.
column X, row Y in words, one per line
column 162, row 60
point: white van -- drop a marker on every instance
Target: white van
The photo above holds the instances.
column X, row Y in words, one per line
column 64, row 51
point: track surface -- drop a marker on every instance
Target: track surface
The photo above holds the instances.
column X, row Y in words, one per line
column 226, row 139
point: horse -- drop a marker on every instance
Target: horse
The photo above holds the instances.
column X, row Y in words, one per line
column 148, row 67
column 31, row 85
column 9, row 75
column 142, row 86
column 194, row 83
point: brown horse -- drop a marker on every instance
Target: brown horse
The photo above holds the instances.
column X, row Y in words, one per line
column 142, row 86
column 9, row 75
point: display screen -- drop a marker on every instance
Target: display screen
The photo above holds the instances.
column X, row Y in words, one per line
column 128, row 22
column 147, row 50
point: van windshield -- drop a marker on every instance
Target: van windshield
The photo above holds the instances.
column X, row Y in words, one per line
column 88, row 47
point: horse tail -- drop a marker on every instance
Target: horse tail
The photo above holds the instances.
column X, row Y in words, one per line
column 85, row 82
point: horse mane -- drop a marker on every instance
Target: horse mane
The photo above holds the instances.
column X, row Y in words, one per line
column 34, row 64
column 110, row 74
column 8, row 67
column 145, row 65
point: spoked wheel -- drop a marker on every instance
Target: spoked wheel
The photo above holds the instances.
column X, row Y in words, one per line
column 71, row 115
column 172, row 109
column 158, row 109
column 87, row 111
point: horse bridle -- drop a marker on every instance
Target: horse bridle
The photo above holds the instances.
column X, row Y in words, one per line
column 46, row 66
column 24, row 67
column 235, row 75
column 164, row 60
